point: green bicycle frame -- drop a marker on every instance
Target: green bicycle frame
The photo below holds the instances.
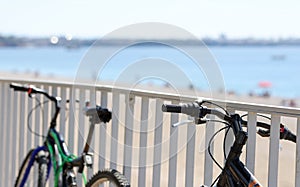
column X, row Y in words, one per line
column 59, row 155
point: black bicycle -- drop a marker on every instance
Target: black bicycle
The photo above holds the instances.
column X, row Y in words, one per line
column 234, row 173
column 36, row 167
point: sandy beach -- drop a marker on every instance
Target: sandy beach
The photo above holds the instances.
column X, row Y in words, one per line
column 230, row 95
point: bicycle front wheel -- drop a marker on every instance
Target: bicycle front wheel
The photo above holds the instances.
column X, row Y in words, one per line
column 33, row 171
column 108, row 177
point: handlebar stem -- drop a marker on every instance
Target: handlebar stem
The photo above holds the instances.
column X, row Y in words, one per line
column 234, row 120
column 57, row 103
column 236, row 124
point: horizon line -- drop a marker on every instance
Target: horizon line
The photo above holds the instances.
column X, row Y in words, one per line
column 78, row 37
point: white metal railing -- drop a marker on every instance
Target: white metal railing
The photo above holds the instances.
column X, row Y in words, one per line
column 140, row 141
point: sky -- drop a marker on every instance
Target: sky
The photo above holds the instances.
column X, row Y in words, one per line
column 203, row 18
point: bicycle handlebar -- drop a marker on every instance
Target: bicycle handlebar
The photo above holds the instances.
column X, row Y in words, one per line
column 30, row 89
column 171, row 108
column 197, row 111
column 285, row 133
column 19, row 87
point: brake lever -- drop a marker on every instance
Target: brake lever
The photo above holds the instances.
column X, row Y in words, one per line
column 183, row 123
column 263, row 133
column 199, row 121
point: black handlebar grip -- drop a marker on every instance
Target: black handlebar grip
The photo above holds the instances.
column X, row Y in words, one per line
column 293, row 138
column 19, row 87
column 171, row 108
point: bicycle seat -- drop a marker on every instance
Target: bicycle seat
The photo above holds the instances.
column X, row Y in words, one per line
column 98, row 114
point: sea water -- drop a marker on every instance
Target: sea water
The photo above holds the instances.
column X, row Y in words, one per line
column 242, row 68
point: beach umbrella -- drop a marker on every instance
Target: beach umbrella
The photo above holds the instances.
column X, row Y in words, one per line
column 264, row 84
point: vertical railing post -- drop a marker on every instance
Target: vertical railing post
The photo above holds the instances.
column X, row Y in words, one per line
column 46, row 116
column 22, row 127
column 157, row 144
column 2, row 131
column 190, row 156
column 208, row 162
column 14, row 134
column 62, row 120
column 250, row 156
column 72, row 112
column 114, row 130
column 173, row 150
column 92, row 96
column 143, row 142
column 8, row 160
column 297, row 184
column 102, row 134
column 130, row 100
column 274, row 150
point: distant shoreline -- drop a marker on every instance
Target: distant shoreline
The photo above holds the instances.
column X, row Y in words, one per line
column 62, row 41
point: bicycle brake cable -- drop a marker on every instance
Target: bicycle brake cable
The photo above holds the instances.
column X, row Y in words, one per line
column 30, row 113
column 260, row 115
column 212, row 103
column 263, row 116
column 211, row 139
column 225, row 137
